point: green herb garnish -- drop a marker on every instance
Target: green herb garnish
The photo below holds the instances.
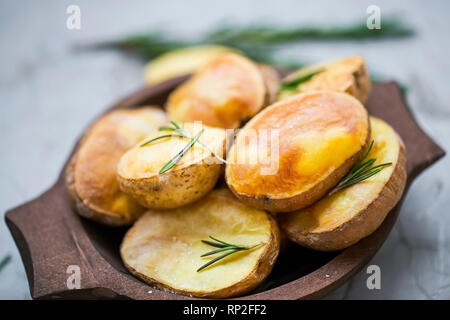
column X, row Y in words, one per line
column 361, row 171
column 181, row 133
column 259, row 42
column 180, row 154
column 161, row 137
column 5, row 261
column 223, row 246
column 184, row 134
column 293, row 84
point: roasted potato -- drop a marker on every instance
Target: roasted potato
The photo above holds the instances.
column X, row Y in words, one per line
column 345, row 217
column 345, row 75
column 163, row 248
column 181, row 62
column 193, row 175
column 91, row 173
column 313, row 139
column 227, row 91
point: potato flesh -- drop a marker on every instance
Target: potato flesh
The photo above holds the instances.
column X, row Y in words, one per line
column 227, row 90
column 318, row 132
column 166, row 245
column 107, row 140
column 146, row 161
column 337, row 76
column 181, row 62
column 335, row 210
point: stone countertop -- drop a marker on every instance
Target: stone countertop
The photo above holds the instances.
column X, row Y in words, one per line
column 50, row 93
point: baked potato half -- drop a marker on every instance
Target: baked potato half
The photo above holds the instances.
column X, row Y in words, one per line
column 163, row 248
column 345, row 217
column 312, row 139
column 225, row 92
column 189, row 179
column 181, row 62
column 345, row 75
column 91, row 173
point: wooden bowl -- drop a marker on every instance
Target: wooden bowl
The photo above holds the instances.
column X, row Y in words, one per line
column 51, row 236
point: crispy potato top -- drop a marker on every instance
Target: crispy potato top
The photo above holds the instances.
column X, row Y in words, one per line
column 227, row 90
column 146, row 161
column 317, row 133
column 337, row 75
column 345, row 75
column 332, row 211
column 181, row 62
column 166, row 245
column 101, row 149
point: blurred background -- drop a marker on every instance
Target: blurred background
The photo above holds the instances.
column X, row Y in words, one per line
column 54, row 81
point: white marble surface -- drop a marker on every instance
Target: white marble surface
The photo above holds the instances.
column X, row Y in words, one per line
column 49, row 93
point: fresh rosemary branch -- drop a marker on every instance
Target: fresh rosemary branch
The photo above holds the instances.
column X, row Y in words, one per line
column 5, row 261
column 223, row 246
column 360, row 171
column 184, row 134
column 257, row 42
column 161, row 137
column 181, row 134
column 180, row 154
column 276, row 35
column 293, row 84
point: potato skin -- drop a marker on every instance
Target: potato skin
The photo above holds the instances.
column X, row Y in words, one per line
column 89, row 206
column 362, row 224
column 186, row 182
column 225, row 92
column 303, row 199
column 347, row 75
column 262, row 269
column 173, row 189
column 104, row 217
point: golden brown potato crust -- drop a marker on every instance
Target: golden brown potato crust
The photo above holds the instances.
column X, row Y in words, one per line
column 91, row 173
column 228, row 90
column 363, row 223
column 192, row 176
column 262, row 267
column 347, row 75
column 321, row 135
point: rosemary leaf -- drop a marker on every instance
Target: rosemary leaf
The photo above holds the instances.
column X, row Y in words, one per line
column 293, row 85
column 217, row 259
column 5, row 261
column 356, row 166
column 213, row 244
column 184, row 134
column 223, row 246
column 372, row 168
column 218, row 250
column 259, row 43
column 161, row 137
column 360, row 171
column 177, row 158
column 222, row 242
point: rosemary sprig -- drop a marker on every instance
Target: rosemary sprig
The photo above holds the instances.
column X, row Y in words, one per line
column 161, row 137
column 5, row 261
column 260, row 43
column 293, row 84
column 181, row 134
column 360, row 171
column 184, row 134
column 180, row 154
column 223, row 246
